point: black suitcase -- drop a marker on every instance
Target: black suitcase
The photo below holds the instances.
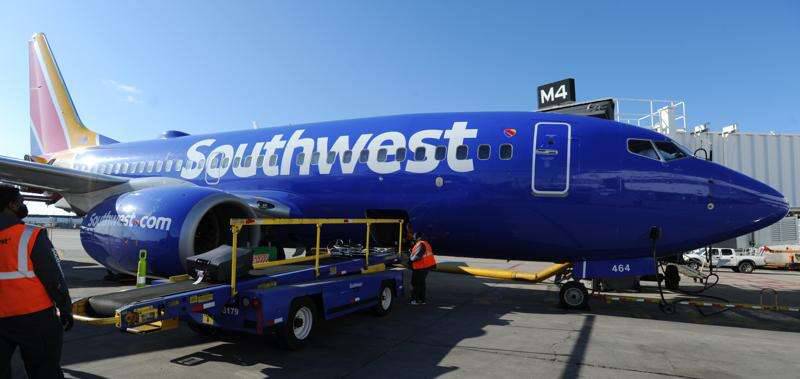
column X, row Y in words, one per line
column 216, row 264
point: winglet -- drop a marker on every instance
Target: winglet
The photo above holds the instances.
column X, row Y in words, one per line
column 55, row 125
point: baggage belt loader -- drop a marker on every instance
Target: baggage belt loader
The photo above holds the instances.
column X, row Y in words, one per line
column 288, row 297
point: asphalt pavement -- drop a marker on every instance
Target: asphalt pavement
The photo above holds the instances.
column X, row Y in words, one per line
column 471, row 327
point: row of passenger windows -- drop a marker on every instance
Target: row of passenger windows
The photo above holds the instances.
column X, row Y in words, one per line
column 506, row 151
column 133, row 167
column 659, row 150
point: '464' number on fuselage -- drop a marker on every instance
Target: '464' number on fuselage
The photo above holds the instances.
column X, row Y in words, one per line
column 621, row 268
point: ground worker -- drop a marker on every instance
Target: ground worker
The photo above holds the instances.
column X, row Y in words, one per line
column 422, row 261
column 31, row 282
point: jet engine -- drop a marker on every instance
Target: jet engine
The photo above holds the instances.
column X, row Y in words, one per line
column 171, row 223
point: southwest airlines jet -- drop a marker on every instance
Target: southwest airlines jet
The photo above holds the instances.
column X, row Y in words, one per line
column 509, row 185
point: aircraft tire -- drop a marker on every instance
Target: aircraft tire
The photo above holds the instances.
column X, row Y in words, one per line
column 672, row 278
column 573, row 295
column 294, row 333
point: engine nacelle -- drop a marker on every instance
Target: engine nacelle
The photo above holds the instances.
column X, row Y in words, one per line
column 172, row 223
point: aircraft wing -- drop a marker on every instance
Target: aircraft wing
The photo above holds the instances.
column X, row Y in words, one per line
column 56, row 179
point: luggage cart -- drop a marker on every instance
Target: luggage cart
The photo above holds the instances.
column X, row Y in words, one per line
column 288, row 297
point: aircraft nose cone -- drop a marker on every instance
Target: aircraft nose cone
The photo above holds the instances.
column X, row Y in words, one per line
column 764, row 204
column 775, row 206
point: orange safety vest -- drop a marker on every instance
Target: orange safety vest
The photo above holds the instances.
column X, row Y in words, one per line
column 427, row 260
column 21, row 292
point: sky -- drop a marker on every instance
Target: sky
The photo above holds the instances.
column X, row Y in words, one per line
column 135, row 69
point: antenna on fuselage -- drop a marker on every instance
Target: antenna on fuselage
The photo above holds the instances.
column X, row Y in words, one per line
column 255, row 124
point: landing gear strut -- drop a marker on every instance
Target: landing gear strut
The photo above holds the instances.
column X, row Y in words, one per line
column 573, row 295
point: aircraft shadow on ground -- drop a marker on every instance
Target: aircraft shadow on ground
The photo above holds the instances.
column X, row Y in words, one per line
column 90, row 275
column 421, row 337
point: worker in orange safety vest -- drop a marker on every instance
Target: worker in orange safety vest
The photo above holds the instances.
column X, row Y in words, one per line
column 422, row 261
column 32, row 287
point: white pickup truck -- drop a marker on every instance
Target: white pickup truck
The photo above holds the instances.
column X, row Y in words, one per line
column 736, row 260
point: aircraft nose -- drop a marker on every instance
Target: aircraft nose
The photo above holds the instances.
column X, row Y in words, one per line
column 760, row 203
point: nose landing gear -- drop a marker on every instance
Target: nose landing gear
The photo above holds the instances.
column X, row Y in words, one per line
column 573, row 295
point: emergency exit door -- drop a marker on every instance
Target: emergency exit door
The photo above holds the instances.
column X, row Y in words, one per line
column 551, row 159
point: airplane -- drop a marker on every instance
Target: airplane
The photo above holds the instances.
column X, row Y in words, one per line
column 508, row 185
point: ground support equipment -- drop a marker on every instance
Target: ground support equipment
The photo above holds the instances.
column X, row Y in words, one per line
column 287, row 297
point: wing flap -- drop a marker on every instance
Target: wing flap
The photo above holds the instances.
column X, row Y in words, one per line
column 56, row 179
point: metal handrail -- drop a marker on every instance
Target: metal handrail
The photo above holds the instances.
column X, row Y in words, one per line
column 238, row 223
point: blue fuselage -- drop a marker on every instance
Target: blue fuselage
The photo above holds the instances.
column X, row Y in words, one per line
column 516, row 185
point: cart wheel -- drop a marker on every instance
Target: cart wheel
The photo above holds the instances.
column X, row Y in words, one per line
column 573, row 295
column 385, row 300
column 294, row 333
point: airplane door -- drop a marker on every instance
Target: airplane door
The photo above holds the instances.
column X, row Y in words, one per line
column 551, row 159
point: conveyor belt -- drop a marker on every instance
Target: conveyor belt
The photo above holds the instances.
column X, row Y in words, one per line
column 282, row 269
column 107, row 304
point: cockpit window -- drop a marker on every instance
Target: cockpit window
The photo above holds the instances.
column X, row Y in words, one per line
column 642, row 147
column 669, row 151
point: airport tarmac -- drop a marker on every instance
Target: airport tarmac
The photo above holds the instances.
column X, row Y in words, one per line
column 471, row 327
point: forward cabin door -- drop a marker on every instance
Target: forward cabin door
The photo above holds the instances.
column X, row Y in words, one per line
column 551, row 159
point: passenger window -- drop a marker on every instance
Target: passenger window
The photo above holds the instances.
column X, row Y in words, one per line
column 248, row 161
column 440, row 153
column 116, row 168
column 669, row 151
column 260, row 161
column 347, row 157
column 168, row 165
column 461, row 152
column 150, row 165
column 178, row 165
column 102, row 169
column 400, row 154
column 642, row 147
column 506, row 151
column 484, row 152
column 236, row 161
column 159, row 164
column 364, row 156
column 419, row 154
column 331, row 157
column 382, row 153
column 300, row 159
column 273, row 160
column 226, row 162
column 314, row 158
column 215, row 162
column 202, row 163
column 124, row 169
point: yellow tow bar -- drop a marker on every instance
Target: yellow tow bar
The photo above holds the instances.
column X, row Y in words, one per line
column 462, row 268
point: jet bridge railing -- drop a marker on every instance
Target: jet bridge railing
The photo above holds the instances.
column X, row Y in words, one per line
column 238, row 223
